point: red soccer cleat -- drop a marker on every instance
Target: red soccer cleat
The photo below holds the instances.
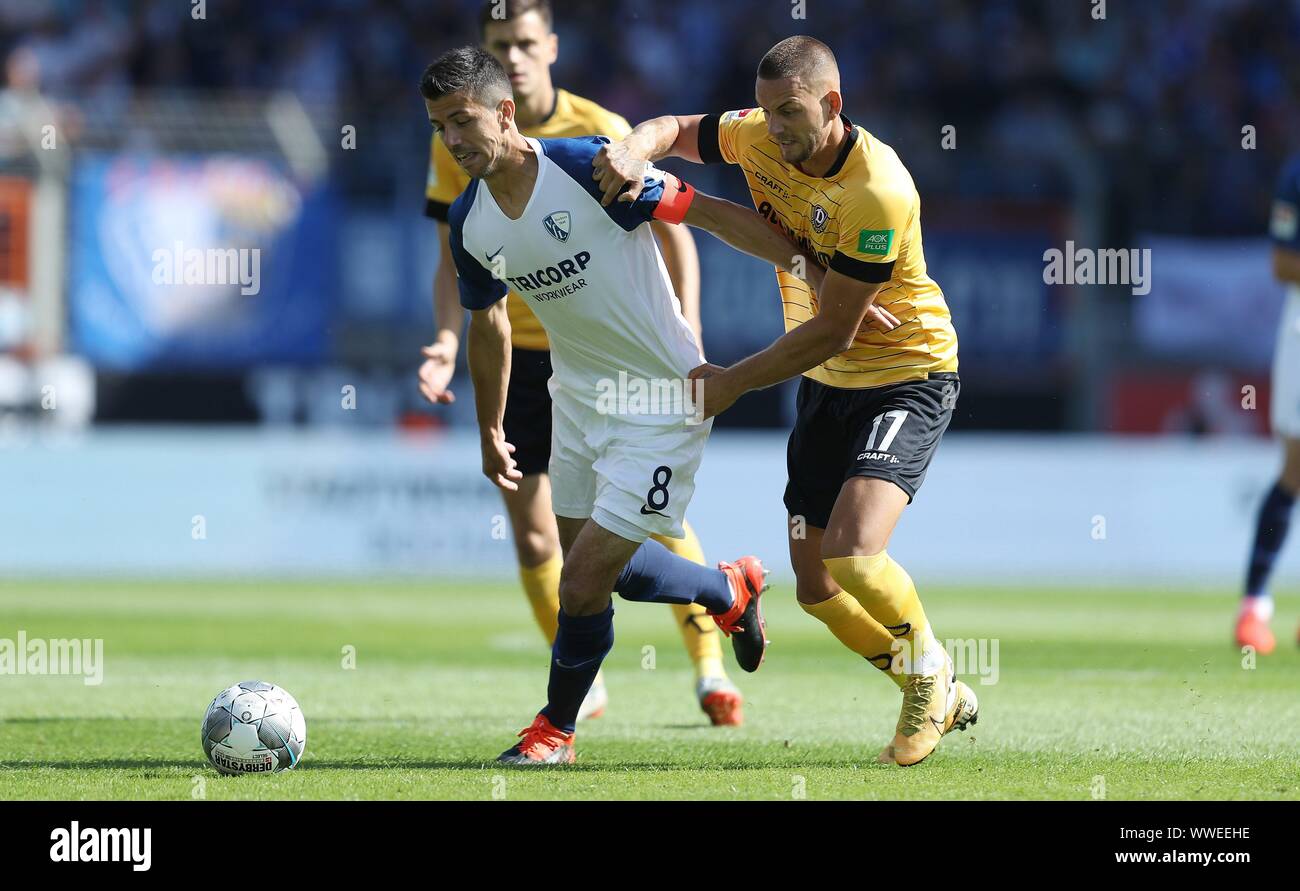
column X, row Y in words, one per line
column 1253, row 631
column 542, row 743
column 721, row 701
column 743, row 623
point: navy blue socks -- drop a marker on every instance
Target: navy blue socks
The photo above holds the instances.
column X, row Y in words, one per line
column 581, row 644
column 657, row 575
column 1270, row 534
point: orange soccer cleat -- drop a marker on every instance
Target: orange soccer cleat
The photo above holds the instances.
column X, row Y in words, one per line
column 743, row 623
column 542, row 743
column 721, row 701
column 1253, row 631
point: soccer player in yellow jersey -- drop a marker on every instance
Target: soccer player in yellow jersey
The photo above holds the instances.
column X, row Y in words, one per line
column 520, row 36
column 876, row 348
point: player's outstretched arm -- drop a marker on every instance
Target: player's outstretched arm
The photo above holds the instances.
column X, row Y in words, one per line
column 620, row 166
column 749, row 233
column 489, row 368
column 842, row 306
column 449, row 316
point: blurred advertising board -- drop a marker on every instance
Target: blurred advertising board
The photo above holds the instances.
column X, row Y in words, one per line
column 213, row 262
column 1211, row 299
column 1087, row 509
column 1206, row 401
column 15, row 312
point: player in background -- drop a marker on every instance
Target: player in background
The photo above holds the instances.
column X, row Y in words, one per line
column 1274, row 518
column 522, row 40
column 532, row 217
column 875, row 345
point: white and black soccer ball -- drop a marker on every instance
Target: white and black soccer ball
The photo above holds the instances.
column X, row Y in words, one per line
column 254, row 727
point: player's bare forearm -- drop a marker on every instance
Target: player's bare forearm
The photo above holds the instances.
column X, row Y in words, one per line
column 749, row 233
column 489, row 367
column 791, row 354
column 439, row 365
column 683, row 262
column 843, row 306
column 1286, row 265
column 620, row 167
column 448, row 314
column 675, row 136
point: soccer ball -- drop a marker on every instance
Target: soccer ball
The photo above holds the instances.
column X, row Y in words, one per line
column 254, row 727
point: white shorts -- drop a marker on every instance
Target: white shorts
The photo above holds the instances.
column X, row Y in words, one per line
column 634, row 480
column 1285, row 403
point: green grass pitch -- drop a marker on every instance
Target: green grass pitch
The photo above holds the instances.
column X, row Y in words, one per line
column 1126, row 693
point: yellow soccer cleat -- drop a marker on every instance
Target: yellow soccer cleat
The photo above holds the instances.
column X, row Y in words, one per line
column 919, row 730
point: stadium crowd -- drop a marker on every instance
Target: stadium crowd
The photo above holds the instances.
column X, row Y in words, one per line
column 1150, row 102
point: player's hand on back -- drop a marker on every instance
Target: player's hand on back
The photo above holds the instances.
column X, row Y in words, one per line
column 877, row 316
column 617, row 171
column 499, row 465
column 880, row 318
column 436, row 372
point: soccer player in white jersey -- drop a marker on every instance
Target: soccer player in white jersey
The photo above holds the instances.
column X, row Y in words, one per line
column 1274, row 518
column 531, row 220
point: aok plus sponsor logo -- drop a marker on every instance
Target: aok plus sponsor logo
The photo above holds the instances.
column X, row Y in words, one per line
column 78, row 844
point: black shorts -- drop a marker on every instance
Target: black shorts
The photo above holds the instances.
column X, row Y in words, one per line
column 888, row 433
column 528, row 409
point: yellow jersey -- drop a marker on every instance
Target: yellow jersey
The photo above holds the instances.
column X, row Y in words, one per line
column 862, row 219
column 572, row 116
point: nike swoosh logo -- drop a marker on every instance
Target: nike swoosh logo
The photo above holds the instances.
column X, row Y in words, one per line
column 573, row 667
column 645, row 510
column 491, row 257
column 937, row 724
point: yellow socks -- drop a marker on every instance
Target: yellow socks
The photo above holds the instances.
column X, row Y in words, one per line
column 542, row 585
column 885, row 591
column 699, row 633
column 688, row 546
column 854, row 628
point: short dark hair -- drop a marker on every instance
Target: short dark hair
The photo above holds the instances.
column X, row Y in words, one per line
column 508, row 10
column 469, row 70
column 798, row 56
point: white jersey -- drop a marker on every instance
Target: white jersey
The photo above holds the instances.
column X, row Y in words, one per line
column 1285, row 398
column 593, row 275
column 1284, row 229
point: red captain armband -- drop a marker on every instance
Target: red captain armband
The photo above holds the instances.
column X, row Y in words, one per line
column 676, row 200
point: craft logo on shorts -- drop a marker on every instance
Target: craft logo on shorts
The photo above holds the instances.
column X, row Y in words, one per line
column 558, row 224
column 819, row 217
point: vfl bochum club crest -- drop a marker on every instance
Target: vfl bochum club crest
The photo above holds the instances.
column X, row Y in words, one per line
column 558, row 224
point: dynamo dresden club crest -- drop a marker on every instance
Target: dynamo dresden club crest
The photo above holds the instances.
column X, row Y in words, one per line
column 558, row 224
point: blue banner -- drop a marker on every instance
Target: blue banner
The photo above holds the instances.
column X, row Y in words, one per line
column 214, row 262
